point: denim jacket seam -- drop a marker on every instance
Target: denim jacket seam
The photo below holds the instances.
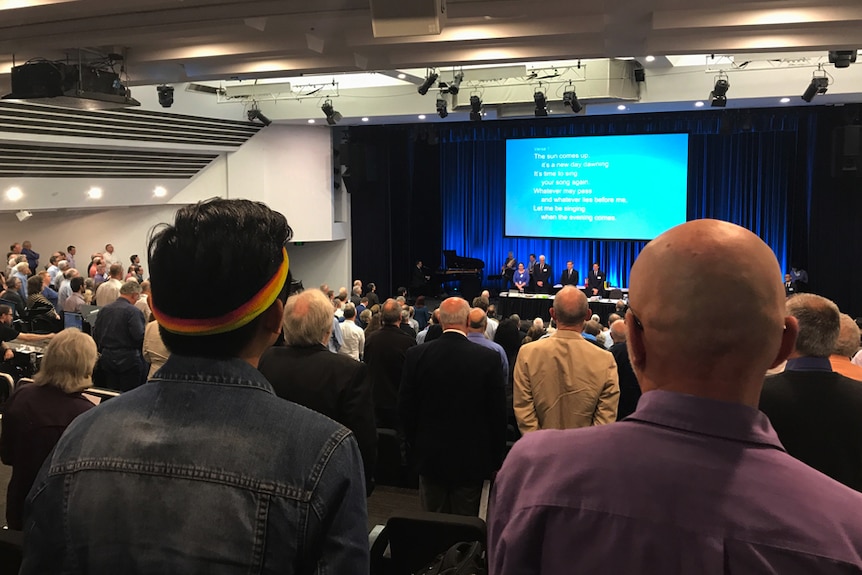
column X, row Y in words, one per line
column 335, row 440
column 182, row 471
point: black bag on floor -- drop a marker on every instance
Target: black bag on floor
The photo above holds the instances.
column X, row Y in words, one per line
column 465, row 558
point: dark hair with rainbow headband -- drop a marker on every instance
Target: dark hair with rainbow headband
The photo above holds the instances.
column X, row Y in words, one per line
column 221, row 240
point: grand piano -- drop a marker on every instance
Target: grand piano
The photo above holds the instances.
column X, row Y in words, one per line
column 460, row 274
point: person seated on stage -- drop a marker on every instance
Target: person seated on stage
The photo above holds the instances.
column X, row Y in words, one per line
column 570, row 276
column 521, row 278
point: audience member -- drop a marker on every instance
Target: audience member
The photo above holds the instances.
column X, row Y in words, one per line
column 846, row 347
column 108, row 291
column 452, row 404
column 205, row 469
column 21, row 272
column 9, row 331
column 12, row 293
column 354, row 336
column 65, row 288
column 74, row 302
column 70, row 256
column 109, row 257
column 36, row 415
column 32, row 257
column 476, row 326
column 696, row 480
column 630, row 391
column 815, row 410
column 143, row 302
column 563, row 381
column 119, row 333
column 155, row 352
column 385, row 350
column 303, row 371
column 373, row 299
column 421, row 313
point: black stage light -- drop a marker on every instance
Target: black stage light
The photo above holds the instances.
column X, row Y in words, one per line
column 429, row 81
column 719, row 91
column 332, row 117
column 441, row 108
column 255, row 114
column 541, row 103
column 475, row 108
column 455, row 85
column 166, row 95
column 842, row 58
column 818, row 85
column 570, row 100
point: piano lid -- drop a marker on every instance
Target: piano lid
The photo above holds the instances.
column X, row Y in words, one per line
column 456, row 262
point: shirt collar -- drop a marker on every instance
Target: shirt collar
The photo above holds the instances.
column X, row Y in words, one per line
column 703, row 416
column 808, row 364
column 458, row 331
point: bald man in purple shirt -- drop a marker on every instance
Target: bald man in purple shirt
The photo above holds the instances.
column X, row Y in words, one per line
column 695, row 481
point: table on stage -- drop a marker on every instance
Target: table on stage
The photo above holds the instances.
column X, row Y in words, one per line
column 529, row 306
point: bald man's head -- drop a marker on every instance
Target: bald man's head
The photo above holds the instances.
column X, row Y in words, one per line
column 571, row 308
column 454, row 313
column 719, row 272
column 478, row 321
column 618, row 331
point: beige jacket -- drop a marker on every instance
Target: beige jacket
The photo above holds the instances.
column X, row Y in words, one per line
column 563, row 382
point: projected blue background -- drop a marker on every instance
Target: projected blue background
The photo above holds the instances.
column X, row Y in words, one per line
column 599, row 187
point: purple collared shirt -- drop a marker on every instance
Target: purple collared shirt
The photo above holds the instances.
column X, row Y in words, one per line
column 685, row 485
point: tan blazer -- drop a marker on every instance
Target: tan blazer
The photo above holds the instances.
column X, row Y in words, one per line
column 564, row 382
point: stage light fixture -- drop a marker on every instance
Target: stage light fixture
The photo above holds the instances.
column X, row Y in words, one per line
column 475, row 108
column 166, row 95
column 570, row 100
column 455, row 85
column 332, row 116
column 819, row 84
column 541, row 104
column 442, row 110
column 719, row 92
column 256, row 114
column 430, row 79
column 842, row 58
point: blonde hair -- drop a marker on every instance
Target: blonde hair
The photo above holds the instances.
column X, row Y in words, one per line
column 68, row 362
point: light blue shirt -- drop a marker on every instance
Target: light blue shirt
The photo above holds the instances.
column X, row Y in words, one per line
column 479, row 338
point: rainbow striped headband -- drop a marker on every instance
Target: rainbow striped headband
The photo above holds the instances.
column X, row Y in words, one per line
column 231, row 320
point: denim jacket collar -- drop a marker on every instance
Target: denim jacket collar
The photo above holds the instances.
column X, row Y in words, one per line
column 207, row 370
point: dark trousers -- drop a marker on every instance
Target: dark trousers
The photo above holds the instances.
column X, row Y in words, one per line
column 121, row 379
column 454, row 499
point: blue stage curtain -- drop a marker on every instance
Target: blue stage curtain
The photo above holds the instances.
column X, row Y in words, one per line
column 740, row 170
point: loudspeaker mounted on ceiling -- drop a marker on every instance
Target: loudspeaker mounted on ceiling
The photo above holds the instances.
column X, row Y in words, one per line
column 391, row 18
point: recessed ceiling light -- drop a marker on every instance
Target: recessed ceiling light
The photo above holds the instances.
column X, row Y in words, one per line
column 402, row 76
column 160, row 192
column 650, row 58
column 364, row 119
column 621, row 107
column 698, row 104
column 784, row 100
column 421, row 116
column 14, row 194
column 311, row 120
column 94, row 193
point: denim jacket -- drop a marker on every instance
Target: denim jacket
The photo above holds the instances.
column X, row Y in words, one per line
column 202, row 470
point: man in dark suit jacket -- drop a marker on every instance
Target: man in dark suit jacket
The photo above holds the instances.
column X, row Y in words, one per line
column 814, row 410
column 570, row 276
column 542, row 276
column 596, row 282
column 630, row 391
column 307, row 373
column 452, row 402
column 385, row 350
